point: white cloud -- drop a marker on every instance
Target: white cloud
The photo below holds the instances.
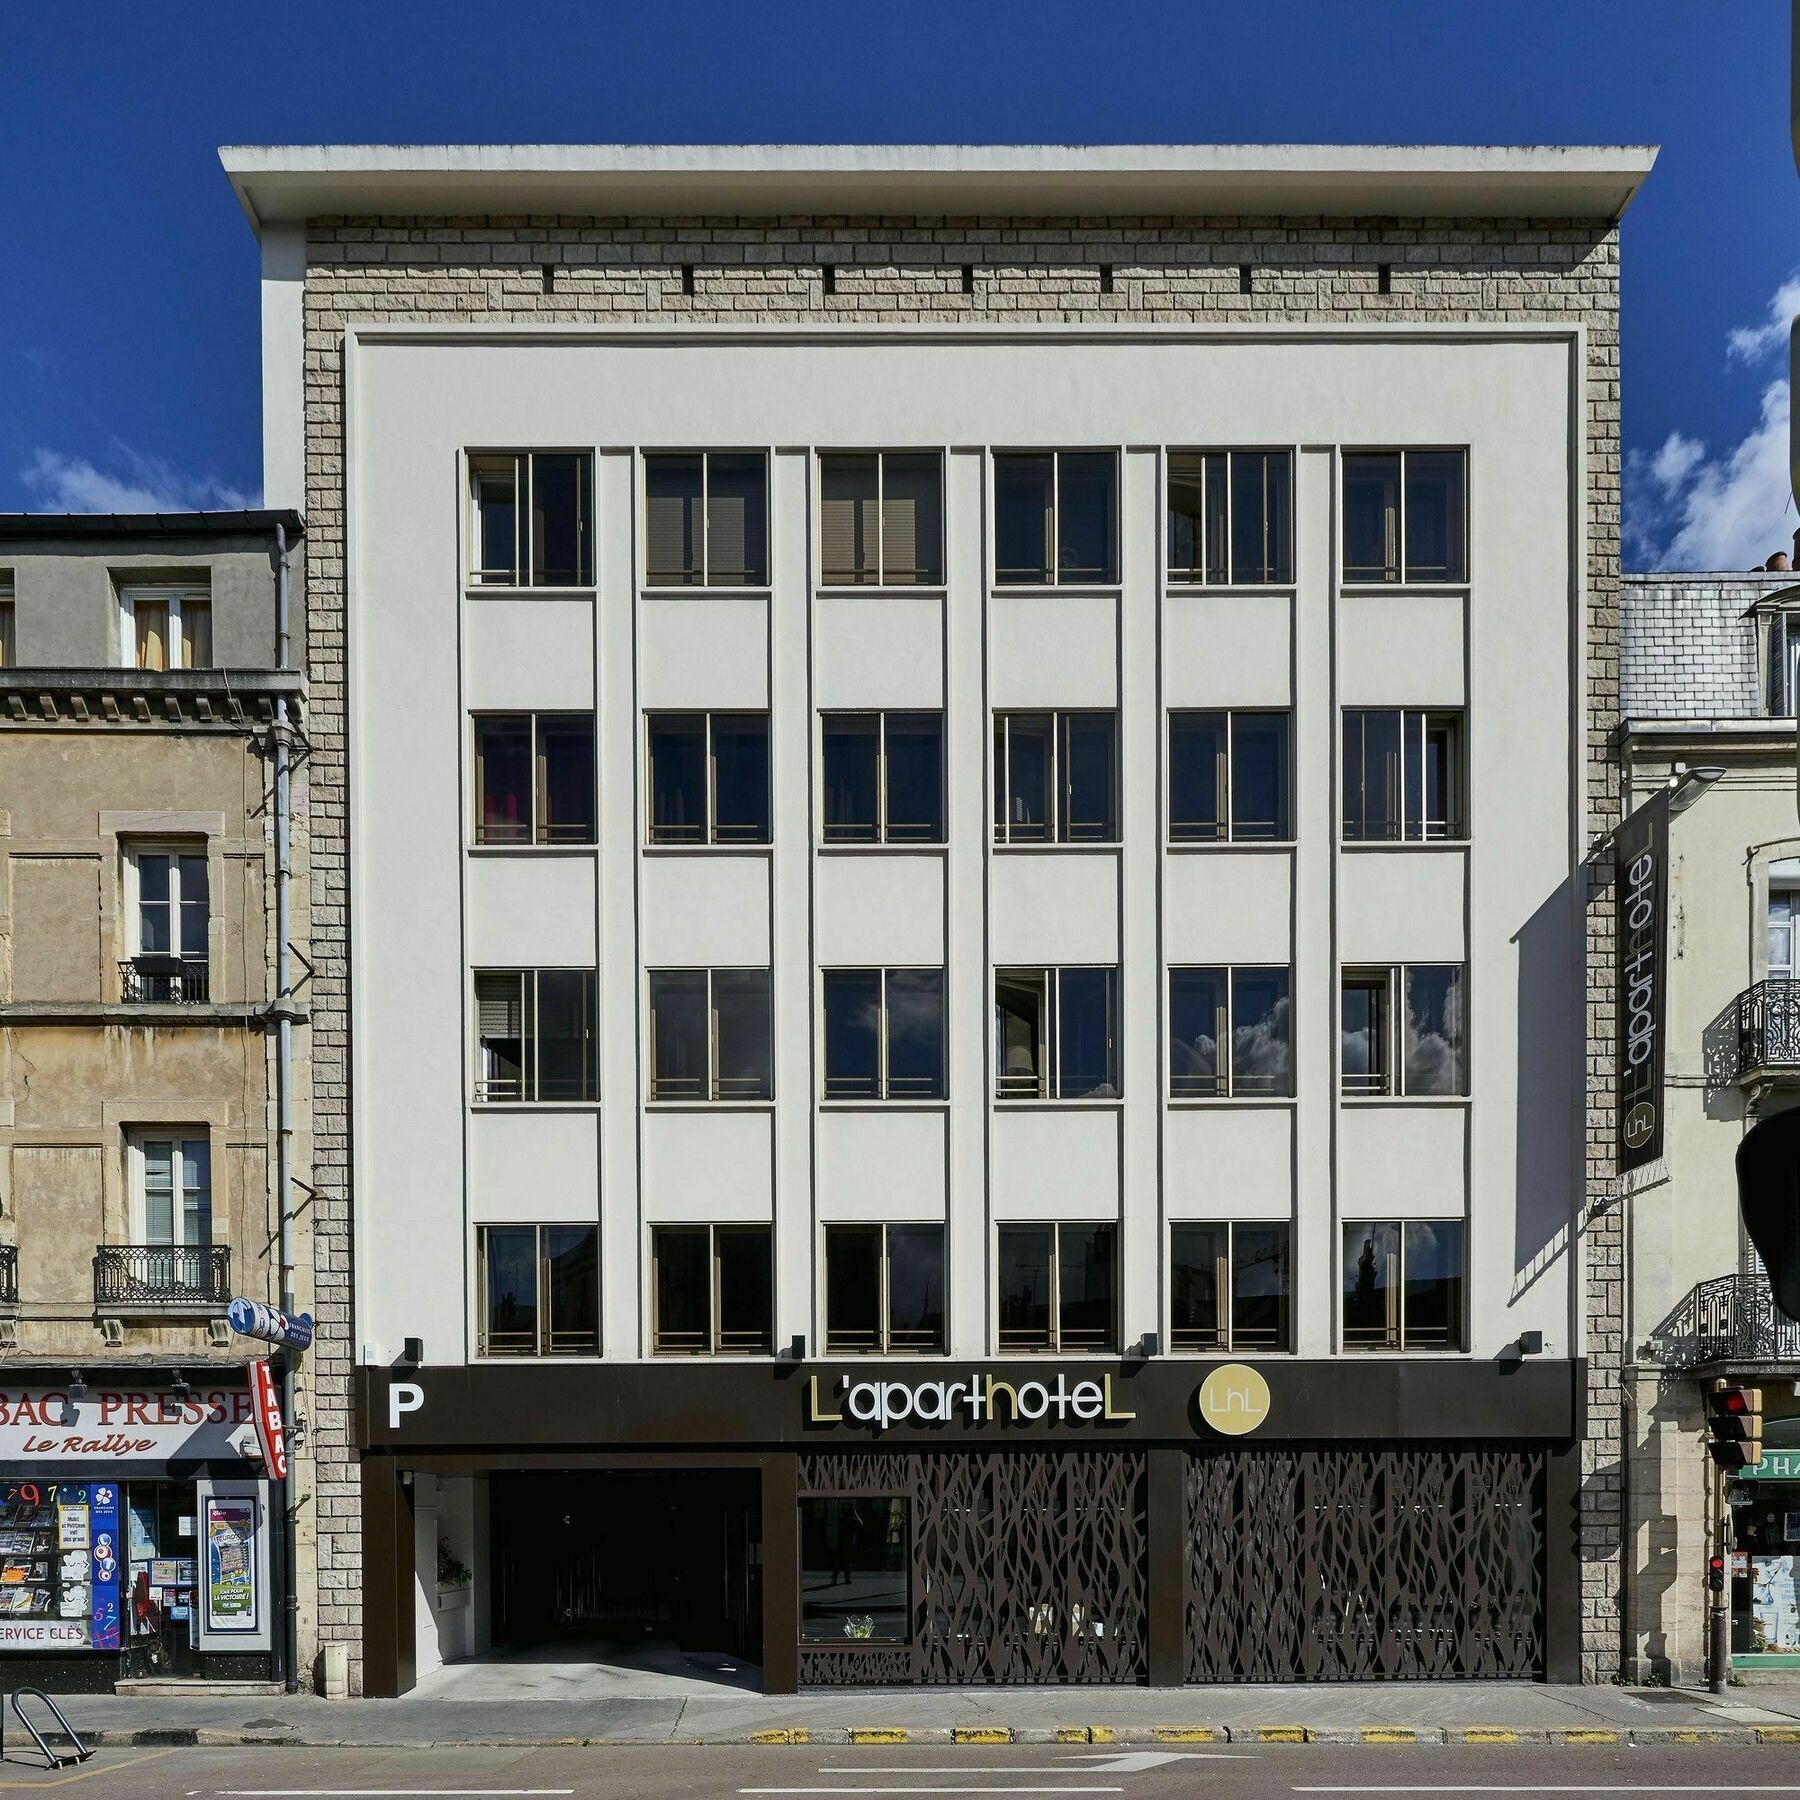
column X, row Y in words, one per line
column 133, row 483
column 1689, row 509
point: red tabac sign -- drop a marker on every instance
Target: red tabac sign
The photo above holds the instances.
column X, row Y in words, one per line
column 266, row 1399
column 43, row 1428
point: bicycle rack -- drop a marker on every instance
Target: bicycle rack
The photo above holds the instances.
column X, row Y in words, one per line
column 50, row 1744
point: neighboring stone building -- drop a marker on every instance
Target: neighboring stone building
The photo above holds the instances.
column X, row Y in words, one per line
column 1143, row 303
column 1708, row 680
column 147, row 699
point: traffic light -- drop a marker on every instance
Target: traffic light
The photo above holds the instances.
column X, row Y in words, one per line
column 1734, row 1425
column 1768, row 1178
column 1715, row 1574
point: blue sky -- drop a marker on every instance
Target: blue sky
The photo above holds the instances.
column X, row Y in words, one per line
column 128, row 302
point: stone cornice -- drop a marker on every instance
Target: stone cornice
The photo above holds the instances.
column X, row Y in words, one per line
column 175, row 699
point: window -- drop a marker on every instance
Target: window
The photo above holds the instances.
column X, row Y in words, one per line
column 1229, row 1286
column 166, row 625
column 1431, row 1056
column 855, row 1551
column 1056, row 778
column 531, row 519
column 9, row 654
column 174, row 1197
column 1784, row 915
column 1784, row 663
column 169, row 915
column 1230, row 777
column 1231, row 1031
column 1231, row 517
column 881, row 519
column 713, row 1288
column 884, row 1288
column 534, row 778
column 884, row 777
column 1403, row 778
column 1056, row 517
column 535, row 1035
column 884, row 1034
column 1403, row 1285
column 709, row 1035
column 1058, row 1287
column 540, row 1287
column 1056, row 1034
column 1405, row 515
column 708, row 519
column 709, row 778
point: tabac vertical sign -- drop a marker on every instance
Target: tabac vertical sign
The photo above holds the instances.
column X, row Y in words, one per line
column 1641, row 899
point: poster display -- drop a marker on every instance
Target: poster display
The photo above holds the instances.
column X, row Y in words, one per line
column 231, row 1573
column 1774, row 1612
column 59, row 1566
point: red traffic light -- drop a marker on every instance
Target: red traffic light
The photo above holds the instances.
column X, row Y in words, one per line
column 1734, row 1425
column 1736, row 1400
column 1715, row 1574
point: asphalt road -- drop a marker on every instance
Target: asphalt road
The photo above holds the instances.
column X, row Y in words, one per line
column 761, row 1772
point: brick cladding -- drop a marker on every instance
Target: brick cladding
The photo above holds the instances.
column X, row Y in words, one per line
column 902, row 270
column 1687, row 649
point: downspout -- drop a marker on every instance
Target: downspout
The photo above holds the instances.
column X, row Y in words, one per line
column 284, row 1125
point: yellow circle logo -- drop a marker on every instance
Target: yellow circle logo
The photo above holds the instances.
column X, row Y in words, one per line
column 1234, row 1399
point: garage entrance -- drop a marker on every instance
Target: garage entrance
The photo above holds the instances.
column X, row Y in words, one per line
column 628, row 1557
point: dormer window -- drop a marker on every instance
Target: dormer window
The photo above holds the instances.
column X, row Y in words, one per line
column 166, row 625
column 1782, row 686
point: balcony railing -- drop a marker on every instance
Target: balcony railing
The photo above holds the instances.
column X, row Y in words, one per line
column 165, row 981
column 1731, row 1319
column 9, row 1275
column 1768, row 1029
column 162, row 1275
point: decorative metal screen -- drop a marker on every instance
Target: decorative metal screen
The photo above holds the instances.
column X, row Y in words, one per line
column 1026, row 1566
column 1348, row 1562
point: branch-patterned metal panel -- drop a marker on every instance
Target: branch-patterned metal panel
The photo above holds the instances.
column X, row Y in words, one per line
column 1026, row 1565
column 1350, row 1562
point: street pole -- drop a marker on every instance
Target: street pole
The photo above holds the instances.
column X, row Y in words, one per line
column 1719, row 1614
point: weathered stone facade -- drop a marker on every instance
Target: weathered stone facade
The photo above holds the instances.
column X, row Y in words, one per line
column 989, row 271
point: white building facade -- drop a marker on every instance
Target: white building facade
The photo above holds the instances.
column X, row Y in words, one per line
column 966, row 907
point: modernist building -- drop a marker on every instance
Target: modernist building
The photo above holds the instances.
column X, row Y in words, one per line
column 145, row 1081
column 951, row 791
column 1709, row 681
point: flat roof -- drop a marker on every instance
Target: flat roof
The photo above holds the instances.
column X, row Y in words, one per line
column 286, row 183
column 184, row 524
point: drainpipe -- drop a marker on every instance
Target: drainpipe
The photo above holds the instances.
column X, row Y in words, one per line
column 284, row 1127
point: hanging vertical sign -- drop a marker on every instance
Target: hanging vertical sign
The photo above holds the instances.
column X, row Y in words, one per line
column 1641, row 903
column 265, row 1398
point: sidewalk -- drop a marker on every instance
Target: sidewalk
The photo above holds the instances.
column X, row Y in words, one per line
column 1408, row 1712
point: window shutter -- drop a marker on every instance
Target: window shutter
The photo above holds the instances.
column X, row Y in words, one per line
column 899, row 537
column 838, row 541
column 497, row 1006
column 725, row 540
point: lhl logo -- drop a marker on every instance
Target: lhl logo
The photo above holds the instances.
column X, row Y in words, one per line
column 1234, row 1399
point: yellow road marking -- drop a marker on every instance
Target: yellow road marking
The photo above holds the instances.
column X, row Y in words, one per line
column 130, row 1762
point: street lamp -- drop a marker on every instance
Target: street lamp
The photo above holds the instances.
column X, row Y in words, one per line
column 1688, row 785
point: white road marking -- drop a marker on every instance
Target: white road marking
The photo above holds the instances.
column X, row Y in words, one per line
column 1581, row 1787
column 389, row 1793
column 932, row 1788
column 1126, row 1762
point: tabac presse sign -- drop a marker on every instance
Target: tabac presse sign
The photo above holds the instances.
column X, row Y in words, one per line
column 1641, row 912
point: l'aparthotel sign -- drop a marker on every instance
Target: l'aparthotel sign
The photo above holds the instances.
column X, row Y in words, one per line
column 1641, row 905
column 979, row 1399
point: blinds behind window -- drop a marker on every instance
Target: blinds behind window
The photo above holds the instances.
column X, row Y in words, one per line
column 674, row 541
column 848, row 520
column 497, row 1006
column 725, row 546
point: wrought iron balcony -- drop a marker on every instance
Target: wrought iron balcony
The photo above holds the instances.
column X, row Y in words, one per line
column 1768, row 1031
column 193, row 1275
column 1729, row 1320
column 9, row 1275
column 165, row 981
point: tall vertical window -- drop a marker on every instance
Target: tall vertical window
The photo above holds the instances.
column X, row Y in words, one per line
column 884, row 1289
column 883, row 777
column 1783, row 684
column 1406, row 515
column 1403, row 1285
column 9, row 650
column 709, row 778
column 1058, row 1287
column 534, row 778
column 531, row 518
column 1056, row 517
column 855, row 1554
column 1230, row 1286
column 1403, row 775
column 1056, row 778
column 884, row 1034
column 710, row 1035
column 1784, row 920
column 707, row 519
column 1404, row 1030
column 1230, row 777
column 540, row 1287
column 1056, row 1034
column 1231, row 1031
column 166, row 625
column 174, row 1196
column 169, row 915
column 1231, row 517
column 535, row 1035
column 881, row 519
column 713, row 1290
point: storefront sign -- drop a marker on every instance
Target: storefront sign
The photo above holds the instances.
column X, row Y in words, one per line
column 1776, row 1465
column 1234, row 1399
column 270, row 1432
column 43, row 1428
column 1641, row 906
column 43, row 1634
column 984, row 1399
column 257, row 1319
